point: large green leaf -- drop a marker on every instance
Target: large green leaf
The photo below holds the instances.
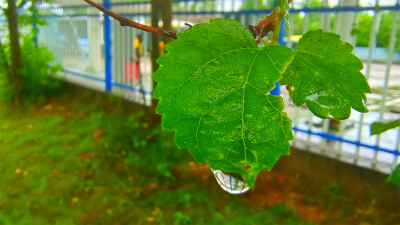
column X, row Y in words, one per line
column 213, row 87
column 379, row 127
column 326, row 76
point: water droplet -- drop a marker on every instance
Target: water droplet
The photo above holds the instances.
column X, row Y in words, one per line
column 229, row 183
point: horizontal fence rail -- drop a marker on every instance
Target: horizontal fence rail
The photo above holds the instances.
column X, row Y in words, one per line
column 96, row 52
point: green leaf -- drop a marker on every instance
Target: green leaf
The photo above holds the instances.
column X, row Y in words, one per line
column 326, row 76
column 213, row 87
column 378, row 127
column 394, row 178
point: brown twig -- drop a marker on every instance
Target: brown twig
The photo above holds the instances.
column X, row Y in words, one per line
column 266, row 25
column 189, row 25
column 127, row 22
column 259, row 31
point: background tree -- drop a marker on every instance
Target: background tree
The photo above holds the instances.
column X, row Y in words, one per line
column 26, row 66
column 160, row 10
column 364, row 26
column 15, row 49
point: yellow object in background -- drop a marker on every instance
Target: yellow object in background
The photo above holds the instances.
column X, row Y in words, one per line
column 139, row 47
column 161, row 46
column 136, row 42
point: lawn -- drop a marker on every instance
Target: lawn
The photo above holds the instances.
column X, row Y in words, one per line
column 69, row 161
column 82, row 158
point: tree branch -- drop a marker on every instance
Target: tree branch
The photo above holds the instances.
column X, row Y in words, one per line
column 259, row 31
column 127, row 22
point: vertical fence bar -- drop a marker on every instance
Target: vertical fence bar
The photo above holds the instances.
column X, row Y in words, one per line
column 325, row 24
column 343, row 29
column 397, row 158
column 107, row 47
column 310, row 115
column 371, row 47
column 34, row 25
column 389, row 62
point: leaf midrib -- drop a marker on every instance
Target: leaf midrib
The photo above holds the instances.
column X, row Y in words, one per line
column 201, row 67
column 243, row 87
column 243, row 102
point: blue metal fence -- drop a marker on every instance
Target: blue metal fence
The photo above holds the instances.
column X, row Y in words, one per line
column 123, row 67
column 107, row 46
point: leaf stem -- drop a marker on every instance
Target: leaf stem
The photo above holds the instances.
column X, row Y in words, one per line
column 127, row 22
column 277, row 31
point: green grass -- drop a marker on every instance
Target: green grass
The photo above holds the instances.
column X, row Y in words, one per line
column 71, row 162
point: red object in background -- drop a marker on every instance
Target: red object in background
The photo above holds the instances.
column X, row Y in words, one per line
column 131, row 71
column 137, row 71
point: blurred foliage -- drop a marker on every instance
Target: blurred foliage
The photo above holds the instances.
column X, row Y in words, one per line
column 332, row 193
column 314, row 19
column 29, row 16
column 39, row 70
column 363, row 30
column 38, row 75
column 212, row 5
column 259, row 4
column 383, row 38
column 70, row 162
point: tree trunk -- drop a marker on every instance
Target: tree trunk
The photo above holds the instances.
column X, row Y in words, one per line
column 155, row 17
column 3, row 58
column 163, row 9
column 166, row 14
column 159, row 8
column 16, row 58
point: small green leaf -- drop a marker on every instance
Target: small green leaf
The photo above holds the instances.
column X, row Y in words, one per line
column 378, row 127
column 326, row 76
column 213, row 87
column 394, row 178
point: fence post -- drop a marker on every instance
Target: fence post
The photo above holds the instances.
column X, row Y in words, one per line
column 107, row 47
column 34, row 25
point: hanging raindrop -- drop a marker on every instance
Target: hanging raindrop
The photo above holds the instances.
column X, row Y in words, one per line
column 229, row 183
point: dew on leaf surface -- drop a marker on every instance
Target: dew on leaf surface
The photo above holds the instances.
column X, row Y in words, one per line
column 229, row 183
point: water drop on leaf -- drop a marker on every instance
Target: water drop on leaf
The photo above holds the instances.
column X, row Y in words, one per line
column 229, row 183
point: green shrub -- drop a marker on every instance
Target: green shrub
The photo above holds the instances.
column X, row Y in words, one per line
column 38, row 75
column 39, row 79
